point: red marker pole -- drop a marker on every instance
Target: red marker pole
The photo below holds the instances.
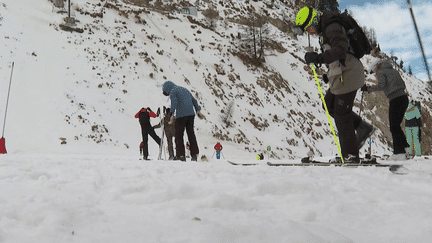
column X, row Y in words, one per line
column 2, row 139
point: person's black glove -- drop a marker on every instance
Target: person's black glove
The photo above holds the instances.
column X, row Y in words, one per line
column 158, row 112
column 325, row 78
column 313, row 57
column 148, row 109
column 364, row 88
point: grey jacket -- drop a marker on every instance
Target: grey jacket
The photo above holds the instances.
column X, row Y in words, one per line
column 389, row 81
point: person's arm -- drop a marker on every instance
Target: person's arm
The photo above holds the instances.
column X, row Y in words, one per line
column 152, row 114
column 382, row 83
column 195, row 104
column 174, row 101
column 137, row 114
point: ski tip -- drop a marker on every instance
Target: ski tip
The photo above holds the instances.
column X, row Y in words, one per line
column 398, row 169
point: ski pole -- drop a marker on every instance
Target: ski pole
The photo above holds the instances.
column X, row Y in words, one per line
column 213, row 154
column 327, row 112
column 223, row 155
column 7, row 101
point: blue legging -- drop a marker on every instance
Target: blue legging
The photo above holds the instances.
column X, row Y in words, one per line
column 413, row 140
column 218, row 152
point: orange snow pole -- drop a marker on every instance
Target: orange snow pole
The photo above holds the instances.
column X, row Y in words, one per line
column 2, row 139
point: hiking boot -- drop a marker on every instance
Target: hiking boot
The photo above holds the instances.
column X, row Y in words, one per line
column 194, row 158
column 364, row 131
column 181, row 158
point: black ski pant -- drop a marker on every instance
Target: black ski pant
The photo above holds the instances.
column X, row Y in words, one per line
column 145, row 130
column 340, row 108
column 181, row 124
column 397, row 110
column 170, row 145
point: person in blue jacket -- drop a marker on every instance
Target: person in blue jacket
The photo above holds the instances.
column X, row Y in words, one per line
column 413, row 124
column 183, row 107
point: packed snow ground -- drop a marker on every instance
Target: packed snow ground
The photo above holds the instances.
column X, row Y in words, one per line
column 81, row 198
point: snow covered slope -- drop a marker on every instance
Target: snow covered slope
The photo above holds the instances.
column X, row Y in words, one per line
column 86, row 87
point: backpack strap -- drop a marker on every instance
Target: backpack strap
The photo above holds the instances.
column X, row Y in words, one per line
column 337, row 19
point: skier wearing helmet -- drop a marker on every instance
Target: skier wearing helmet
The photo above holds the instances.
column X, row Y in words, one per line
column 345, row 77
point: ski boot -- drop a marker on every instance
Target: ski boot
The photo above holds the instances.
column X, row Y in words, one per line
column 348, row 159
column 181, row 158
column 364, row 131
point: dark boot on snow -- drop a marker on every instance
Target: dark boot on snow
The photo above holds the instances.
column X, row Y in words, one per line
column 181, row 158
column 364, row 131
column 352, row 159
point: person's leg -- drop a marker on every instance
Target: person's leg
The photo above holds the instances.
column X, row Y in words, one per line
column 145, row 142
column 329, row 99
column 344, row 119
column 194, row 150
column 153, row 134
column 180, row 125
column 410, row 139
column 170, row 146
column 397, row 110
column 417, row 144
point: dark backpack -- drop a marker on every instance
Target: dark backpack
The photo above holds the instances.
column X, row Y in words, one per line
column 356, row 37
column 144, row 118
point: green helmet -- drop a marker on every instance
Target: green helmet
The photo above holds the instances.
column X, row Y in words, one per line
column 306, row 17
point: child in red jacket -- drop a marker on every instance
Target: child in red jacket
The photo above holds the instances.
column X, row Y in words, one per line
column 218, row 147
column 146, row 129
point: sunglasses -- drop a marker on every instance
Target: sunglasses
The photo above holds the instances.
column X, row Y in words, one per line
column 165, row 93
column 311, row 29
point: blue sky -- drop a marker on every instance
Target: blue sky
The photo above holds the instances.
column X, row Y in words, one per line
column 395, row 30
